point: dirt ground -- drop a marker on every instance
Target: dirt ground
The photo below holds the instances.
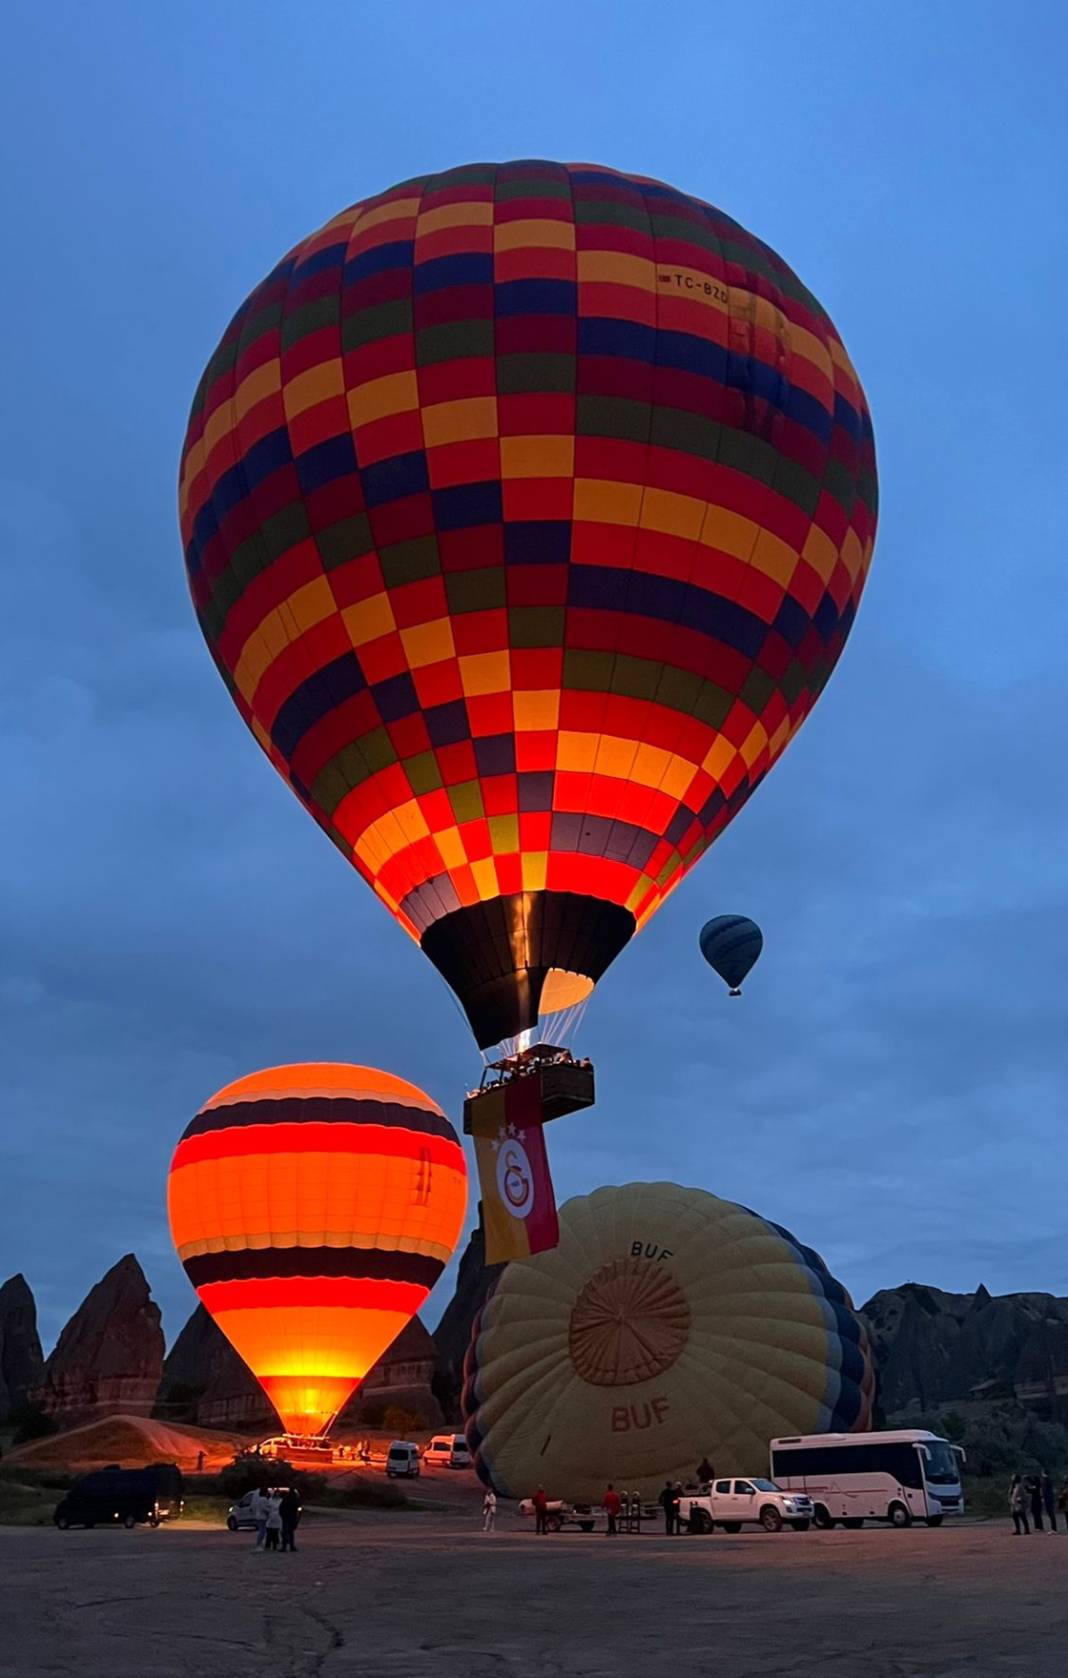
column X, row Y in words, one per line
column 426, row 1595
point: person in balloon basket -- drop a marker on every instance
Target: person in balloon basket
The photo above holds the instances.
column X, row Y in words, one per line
column 489, row 1510
column 611, row 1504
column 289, row 1509
column 273, row 1531
column 541, row 1506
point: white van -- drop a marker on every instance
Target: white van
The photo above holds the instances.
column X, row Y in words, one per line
column 402, row 1458
column 448, row 1449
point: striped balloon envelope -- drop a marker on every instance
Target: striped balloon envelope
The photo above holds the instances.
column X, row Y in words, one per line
column 313, row 1208
column 526, row 509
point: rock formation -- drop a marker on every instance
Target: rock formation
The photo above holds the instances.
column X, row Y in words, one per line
column 21, row 1362
column 934, row 1348
column 204, row 1381
column 109, row 1357
column 474, row 1280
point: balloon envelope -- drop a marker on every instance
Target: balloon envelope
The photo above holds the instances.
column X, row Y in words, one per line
column 313, row 1207
column 668, row 1325
column 731, row 945
column 526, row 510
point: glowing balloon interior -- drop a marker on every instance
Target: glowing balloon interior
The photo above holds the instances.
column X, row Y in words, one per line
column 526, row 509
column 313, row 1208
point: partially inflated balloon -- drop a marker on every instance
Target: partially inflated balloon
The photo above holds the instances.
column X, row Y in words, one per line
column 731, row 944
column 667, row 1326
column 526, row 509
column 313, row 1208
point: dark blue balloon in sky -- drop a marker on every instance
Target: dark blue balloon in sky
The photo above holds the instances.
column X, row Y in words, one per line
column 731, row 944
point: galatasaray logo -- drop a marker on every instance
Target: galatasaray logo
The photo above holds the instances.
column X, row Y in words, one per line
column 515, row 1179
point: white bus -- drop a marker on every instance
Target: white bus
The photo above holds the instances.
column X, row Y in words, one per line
column 900, row 1476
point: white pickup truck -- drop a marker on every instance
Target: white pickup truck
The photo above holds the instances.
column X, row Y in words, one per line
column 732, row 1504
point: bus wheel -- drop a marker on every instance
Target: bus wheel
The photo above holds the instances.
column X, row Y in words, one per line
column 934, row 1520
column 822, row 1518
column 899, row 1515
column 854, row 1522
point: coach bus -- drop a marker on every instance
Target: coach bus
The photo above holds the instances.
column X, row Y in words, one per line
column 899, row 1476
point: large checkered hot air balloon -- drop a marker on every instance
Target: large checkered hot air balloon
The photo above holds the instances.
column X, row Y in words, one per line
column 313, row 1208
column 526, row 509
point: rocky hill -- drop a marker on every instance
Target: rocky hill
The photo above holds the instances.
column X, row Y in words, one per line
column 991, row 1371
column 934, row 1348
column 21, row 1362
column 109, row 1358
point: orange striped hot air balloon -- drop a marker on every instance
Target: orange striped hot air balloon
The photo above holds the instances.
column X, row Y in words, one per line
column 313, row 1208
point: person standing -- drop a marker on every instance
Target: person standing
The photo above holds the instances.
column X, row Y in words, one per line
column 1035, row 1488
column 289, row 1509
column 705, row 1472
column 1018, row 1506
column 273, row 1524
column 612, row 1505
column 676, row 1507
column 489, row 1510
column 257, row 1508
column 541, row 1506
column 669, row 1506
column 1049, row 1499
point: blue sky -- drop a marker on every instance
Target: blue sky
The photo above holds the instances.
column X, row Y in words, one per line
column 893, row 1085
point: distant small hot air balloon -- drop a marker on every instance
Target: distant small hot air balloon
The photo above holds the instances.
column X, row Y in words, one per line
column 313, row 1208
column 731, row 945
column 527, row 508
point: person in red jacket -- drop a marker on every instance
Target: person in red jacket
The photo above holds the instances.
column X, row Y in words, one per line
column 541, row 1504
column 611, row 1504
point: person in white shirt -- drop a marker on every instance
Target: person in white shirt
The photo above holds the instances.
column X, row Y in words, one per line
column 489, row 1510
column 257, row 1507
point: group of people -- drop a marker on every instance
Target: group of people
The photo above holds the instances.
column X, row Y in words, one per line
column 611, row 1502
column 1035, row 1493
column 277, row 1515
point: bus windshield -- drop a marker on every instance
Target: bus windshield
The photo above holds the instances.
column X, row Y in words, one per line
column 940, row 1465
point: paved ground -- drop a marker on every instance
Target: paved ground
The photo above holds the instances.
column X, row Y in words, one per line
column 424, row 1596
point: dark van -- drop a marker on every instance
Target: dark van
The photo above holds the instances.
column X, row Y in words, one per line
column 128, row 1496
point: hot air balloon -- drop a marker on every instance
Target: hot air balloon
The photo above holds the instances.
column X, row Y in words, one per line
column 313, row 1208
column 667, row 1325
column 731, row 945
column 526, row 510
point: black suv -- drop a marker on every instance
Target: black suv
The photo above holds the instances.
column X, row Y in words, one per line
column 115, row 1495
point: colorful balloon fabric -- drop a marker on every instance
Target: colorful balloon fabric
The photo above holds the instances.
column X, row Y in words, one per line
column 731, row 945
column 526, row 509
column 667, row 1326
column 313, row 1208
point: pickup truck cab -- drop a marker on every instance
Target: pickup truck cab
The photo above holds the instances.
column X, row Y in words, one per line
column 732, row 1504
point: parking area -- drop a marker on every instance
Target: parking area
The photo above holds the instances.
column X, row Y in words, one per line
column 429, row 1596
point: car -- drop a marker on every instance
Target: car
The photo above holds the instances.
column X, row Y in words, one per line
column 128, row 1497
column 732, row 1504
column 448, row 1449
column 239, row 1517
column 402, row 1459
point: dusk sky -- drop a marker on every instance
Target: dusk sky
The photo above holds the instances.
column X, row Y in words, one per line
column 893, row 1084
